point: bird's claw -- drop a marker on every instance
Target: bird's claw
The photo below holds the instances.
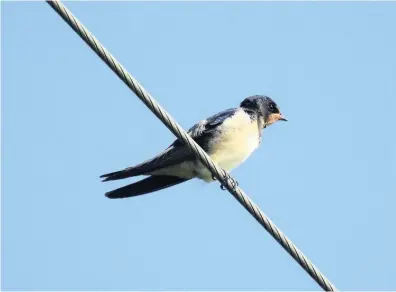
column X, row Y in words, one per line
column 233, row 182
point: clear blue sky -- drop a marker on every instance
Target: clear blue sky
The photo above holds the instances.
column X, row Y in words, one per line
column 326, row 178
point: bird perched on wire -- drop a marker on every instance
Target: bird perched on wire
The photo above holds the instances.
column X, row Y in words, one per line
column 228, row 137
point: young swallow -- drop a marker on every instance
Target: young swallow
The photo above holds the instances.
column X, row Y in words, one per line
column 228, row 137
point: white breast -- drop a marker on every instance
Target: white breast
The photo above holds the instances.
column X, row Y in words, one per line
column 240, row 137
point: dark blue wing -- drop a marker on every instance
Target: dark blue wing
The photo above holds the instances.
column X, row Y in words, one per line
column 204, row 130
column 219, row 118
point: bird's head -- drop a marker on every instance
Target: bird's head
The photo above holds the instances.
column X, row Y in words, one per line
column 265, row 107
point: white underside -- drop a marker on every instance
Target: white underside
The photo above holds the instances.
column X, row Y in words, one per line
column 240, row 138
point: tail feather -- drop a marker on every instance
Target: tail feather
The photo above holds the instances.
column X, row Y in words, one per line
column 128, row 172
column 145, row 186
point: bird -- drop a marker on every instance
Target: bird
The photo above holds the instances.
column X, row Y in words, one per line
column 228, row 137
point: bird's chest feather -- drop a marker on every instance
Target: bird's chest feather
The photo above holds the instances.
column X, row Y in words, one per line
column 238, row 137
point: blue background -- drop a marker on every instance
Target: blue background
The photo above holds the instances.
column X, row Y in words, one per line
column 326, row 178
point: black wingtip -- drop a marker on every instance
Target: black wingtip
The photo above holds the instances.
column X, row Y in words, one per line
column 113, row 196
column 145, row 186
column 108, row 195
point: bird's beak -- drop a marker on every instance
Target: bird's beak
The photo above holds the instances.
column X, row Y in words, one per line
column 274, row 118
column 282, row 118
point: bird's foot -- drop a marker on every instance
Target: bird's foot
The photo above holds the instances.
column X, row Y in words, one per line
column 233, row 182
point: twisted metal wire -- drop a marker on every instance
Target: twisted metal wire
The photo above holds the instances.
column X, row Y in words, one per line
column 227, row 181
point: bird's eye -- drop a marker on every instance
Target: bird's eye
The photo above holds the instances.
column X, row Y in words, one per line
column 271, row 107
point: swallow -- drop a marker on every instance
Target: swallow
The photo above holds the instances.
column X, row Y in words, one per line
column 228, row 137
